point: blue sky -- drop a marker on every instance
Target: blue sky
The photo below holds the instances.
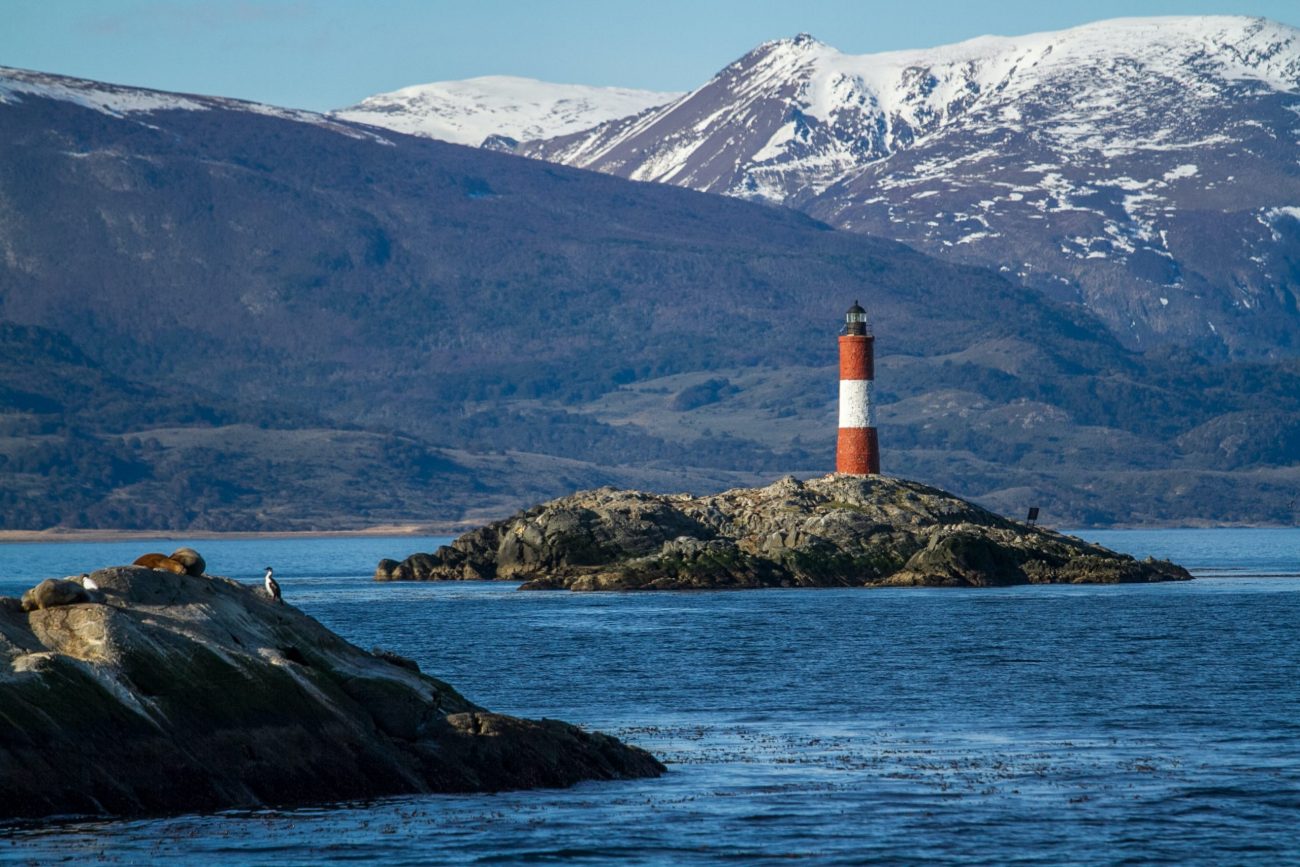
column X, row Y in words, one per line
column 323, row 54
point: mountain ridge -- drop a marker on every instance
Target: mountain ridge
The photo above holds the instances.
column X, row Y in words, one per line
column 1141, row 167
column 501, row 107
column 290, row 324
column 120, row 100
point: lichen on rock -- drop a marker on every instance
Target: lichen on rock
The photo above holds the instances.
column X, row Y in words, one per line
column 833, row 531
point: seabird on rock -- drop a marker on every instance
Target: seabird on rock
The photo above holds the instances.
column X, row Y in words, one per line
column 272, row 589
column 88, row 582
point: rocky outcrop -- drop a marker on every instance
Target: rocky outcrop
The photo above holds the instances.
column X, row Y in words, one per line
column 832, row 531
column 176, row 692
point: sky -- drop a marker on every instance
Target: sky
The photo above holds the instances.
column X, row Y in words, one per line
column 322, row 54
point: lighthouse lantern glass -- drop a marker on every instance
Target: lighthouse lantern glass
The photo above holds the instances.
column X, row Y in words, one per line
column 855, row 320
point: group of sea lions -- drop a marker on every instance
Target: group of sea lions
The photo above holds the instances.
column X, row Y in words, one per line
column 53, row 592
column 187, row 561
column 182, row 561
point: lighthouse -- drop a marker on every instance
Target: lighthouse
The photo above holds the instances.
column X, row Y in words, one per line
column 858, row 452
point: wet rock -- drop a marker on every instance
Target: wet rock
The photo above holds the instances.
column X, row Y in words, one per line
column 395, row 658
column 832, row 531
column 386, row 570
column 186, row 693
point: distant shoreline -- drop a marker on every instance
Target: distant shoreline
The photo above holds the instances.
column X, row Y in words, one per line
column 456, row 529
column 61, row 535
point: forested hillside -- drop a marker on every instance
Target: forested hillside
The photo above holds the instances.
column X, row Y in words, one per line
column 222, row 316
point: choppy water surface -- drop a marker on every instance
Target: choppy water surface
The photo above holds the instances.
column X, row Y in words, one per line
column 1044, row 724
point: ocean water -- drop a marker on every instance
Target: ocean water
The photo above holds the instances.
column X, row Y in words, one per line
column 1146, row 724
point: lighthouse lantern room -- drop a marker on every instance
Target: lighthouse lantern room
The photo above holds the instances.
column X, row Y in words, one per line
column 858, row 451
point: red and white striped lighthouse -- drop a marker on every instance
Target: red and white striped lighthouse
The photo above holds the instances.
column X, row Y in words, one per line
column 858, row 451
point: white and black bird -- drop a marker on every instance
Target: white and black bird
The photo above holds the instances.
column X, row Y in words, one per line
column 272, row 589
column 88, row 582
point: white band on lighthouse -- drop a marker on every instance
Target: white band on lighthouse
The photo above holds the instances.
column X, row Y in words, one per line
column 857, row 406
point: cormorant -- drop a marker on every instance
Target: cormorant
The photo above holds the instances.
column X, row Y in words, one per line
column 272, row 589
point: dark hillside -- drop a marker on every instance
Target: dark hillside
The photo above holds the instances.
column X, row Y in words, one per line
column 484, row 330
column 268, row 257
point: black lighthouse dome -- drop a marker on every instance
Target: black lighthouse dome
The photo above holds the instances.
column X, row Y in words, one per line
column 855, row 320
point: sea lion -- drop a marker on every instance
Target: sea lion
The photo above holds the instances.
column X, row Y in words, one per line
column 53, row 592
column 192, row 560
column 161, row 562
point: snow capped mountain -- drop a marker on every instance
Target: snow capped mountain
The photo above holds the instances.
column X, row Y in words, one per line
column 470, row 111
column 1145, row 167
column 121, row 101
column 809, row 112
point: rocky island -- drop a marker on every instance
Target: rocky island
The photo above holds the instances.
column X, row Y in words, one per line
column 156, row 690
column 835, row 531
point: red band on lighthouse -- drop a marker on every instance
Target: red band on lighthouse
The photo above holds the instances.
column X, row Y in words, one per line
column 856, row 362
column 858, row 451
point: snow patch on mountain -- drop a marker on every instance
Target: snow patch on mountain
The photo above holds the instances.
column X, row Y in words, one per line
column 121, row 101
column 836, row 112
column 1105, row 163
column 1291, row 211
column 107, row 98
column 470, row 111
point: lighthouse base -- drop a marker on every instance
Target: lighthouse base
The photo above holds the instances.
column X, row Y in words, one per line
column 857, row 452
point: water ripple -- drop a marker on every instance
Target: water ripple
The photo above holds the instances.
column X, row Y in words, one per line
column 1024, row 725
